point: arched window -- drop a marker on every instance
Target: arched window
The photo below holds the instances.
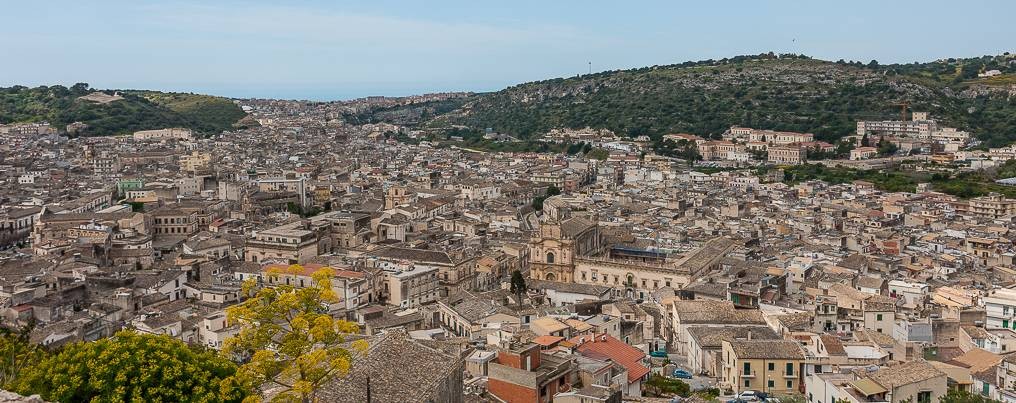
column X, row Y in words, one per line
column 550, row 257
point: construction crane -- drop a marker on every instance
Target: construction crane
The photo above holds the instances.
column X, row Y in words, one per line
column 903, row 109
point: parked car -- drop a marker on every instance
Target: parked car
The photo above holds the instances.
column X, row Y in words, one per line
column 658, row 354
column 681, row 374
column 749, row 396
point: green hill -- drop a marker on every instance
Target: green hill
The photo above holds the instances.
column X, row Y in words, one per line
column 786, row 92
column 136, row 110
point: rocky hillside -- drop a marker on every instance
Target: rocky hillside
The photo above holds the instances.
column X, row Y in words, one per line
column 786, row 92
column 117, row 112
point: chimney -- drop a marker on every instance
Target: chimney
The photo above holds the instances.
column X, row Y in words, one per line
column 603, row 338
column 749, row 334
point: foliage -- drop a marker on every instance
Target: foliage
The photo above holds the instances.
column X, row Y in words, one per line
column 598, row 154
column 538, row 201
column 407, row 114
column 682, row 149
column 890, row 181
column 886, row 148
column 17, row 353
column 288, row 336
column 963, row 184
column 959, row 396
column 661, row 386
column 518, row 285
column 766, row 91
column 138, row 110
column 132, row 367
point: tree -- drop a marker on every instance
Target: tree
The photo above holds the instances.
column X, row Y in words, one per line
column 518, row 285
column 17, row 353
column 598, row 154
column 886, row 147
column 289, row 338
column 959, row 396
column 661, row 386
column 131, row 366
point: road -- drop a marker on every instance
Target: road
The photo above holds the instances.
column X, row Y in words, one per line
column 697, row 381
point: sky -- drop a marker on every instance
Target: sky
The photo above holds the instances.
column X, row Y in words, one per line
column 329, row 50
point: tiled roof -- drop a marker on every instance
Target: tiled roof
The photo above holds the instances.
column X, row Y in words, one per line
column 905, row 374
column 400, row 370
column 712, row 336
column 415, row 255
column 621, row 353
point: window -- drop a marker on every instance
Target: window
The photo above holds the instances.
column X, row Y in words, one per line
column 747, row 368
column 550, row 257
column 924, row 397
column 790, row 384
column 772, row 366
column 1005, row 323
column 771, row 384
column 878, row 317
column 747, row 383
column 790, row 369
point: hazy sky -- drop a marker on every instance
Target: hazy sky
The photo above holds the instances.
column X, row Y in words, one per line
column 335, row 50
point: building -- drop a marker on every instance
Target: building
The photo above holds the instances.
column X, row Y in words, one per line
column 163, row 134
column 522, row 373
column 1000, row 309
column 602, row 345
column 409, row 286
column 913, row 381
column 554, row 249
column 283, row 244
column 863, row 153
column 771, row 366
column 395, row 369
column 786, row 155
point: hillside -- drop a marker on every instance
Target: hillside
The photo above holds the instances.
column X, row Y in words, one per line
column 127, row 112
column 785, row 92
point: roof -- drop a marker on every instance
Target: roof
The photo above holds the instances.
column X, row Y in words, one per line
column 832, row 345
column 905, row 374
column 712, row 336
column 608, row 347
column 415, row 255
column 400, row 370
column 549, row 324
column 977, row 360
column 548, row 340
column 572, row 288
column 868, row 387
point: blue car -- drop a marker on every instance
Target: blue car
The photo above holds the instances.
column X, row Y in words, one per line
column 658, row 354
column 681, row 374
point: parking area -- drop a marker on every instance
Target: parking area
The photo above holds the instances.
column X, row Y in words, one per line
column 696, row 382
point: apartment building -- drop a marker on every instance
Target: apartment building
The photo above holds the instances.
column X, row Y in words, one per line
column 285, row 244
column 771, row 366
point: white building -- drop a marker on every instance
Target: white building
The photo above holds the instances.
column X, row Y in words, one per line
column 1000, row 309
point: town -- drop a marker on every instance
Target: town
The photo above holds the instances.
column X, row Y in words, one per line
column 479, row 276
